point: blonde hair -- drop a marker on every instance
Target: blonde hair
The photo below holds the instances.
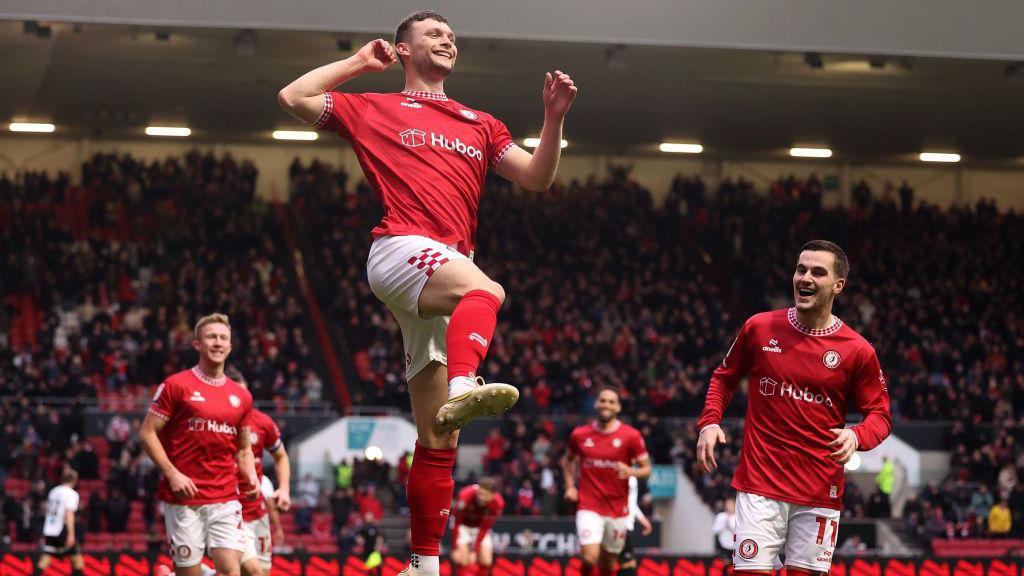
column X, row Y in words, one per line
column 215, row 318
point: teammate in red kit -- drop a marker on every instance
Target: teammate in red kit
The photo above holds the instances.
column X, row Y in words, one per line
column 477, row 508
column 263, row 435
column 195, row 434
column 607, row 453
column 427, row 156
column 805, row 369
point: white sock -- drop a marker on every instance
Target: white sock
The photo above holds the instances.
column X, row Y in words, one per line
column 207, row 571
column 425, row 565
column 460, row 385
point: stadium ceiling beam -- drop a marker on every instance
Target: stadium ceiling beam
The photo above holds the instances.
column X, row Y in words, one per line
column 986, row 29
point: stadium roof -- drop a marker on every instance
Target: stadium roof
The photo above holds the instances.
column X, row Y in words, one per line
column 112, row 80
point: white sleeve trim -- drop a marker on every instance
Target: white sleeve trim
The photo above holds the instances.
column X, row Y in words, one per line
column 159, row 414
column 501, row 155
column 326, row 112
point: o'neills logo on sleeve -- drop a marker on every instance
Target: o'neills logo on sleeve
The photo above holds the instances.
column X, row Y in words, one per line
column 204, row 425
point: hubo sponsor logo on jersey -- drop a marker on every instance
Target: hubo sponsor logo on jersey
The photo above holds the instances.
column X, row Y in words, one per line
column 600, row 463
column 414, row 138
column 204, row 425
column 769, row 387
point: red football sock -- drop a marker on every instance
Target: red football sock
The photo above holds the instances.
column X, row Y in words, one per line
column 429, row 492
column 606, row 571
column 469, row 332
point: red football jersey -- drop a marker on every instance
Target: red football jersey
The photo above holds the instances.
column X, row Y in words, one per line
column 204, row 416
column 263, row 435
column 600, row 488
column 469, row 512
column 801, row 382
column 426, row 155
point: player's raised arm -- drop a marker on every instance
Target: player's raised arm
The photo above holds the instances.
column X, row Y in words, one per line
column 304, row 98
column 536, row 171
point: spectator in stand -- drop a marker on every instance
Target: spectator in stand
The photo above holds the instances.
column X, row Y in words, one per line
column 119, row 431
column 368, row 502
column 999, row 520
column 118, row 509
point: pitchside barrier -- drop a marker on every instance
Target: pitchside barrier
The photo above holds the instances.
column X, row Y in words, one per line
column 316, row 565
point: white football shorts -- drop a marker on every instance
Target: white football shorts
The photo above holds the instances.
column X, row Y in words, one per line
column 766, row 527
column 398, row 268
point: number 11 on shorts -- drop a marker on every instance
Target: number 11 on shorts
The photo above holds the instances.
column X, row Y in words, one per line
column 822, row 523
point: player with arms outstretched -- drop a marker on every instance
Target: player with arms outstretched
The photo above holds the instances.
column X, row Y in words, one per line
column 195, row 432
column 477, row 508
column 805, row 368
column 427, row 156
column 607, row 453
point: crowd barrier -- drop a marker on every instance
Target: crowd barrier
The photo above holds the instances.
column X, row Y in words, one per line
column 115, row 564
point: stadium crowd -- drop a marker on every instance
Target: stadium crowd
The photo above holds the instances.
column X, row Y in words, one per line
column 641, row 311
column 104, row 280
column 639, row 295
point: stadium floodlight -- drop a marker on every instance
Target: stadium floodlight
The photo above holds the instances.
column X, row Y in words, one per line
column 939, row 157
column 534, row 142
column 31, row 127
column 810, row 152
column 681, row 148
column 177, row 131
column 306, row 135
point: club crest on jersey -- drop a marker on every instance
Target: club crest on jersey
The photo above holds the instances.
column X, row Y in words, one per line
column 197, row 396
column 616, row 442
column 831, row 359
column 773, row 346
column 468, row 114
column 235, row 400
column 253, row 437
column 747, row 549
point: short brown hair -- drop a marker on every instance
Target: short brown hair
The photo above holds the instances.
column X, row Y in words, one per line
column 489, row 484
column 69, row 475
column 614, row 389
column 404, row 26
column 842, row 266
column 420, row 16
column 215, row 318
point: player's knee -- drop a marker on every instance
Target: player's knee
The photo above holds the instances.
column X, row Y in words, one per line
column 589, row 557
column 437, row 439
column 231, row 571
column 497, row 291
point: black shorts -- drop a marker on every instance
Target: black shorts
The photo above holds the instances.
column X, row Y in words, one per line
column 54, row 545
column 627, row 549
